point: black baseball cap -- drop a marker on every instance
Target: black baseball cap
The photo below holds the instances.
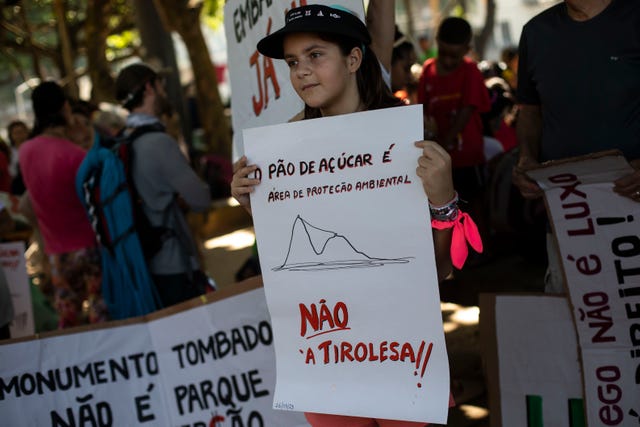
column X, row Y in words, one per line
column 314, row 18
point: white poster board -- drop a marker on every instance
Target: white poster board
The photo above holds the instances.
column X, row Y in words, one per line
column 209, row 366
column 15, row 270
column 532, row 362
column 346, row 251
column 261, row 91
column 599, row 240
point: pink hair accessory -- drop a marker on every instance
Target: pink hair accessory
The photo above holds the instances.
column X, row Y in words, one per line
column 464, row 230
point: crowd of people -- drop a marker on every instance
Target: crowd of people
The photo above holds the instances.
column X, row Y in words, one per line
column 475, row 113
column 40, row 166
column 40, row 161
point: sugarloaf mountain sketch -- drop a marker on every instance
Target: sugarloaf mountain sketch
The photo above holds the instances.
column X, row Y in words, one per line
column 312, row 248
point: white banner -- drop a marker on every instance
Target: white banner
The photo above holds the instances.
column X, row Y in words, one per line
column 535, row 346
column 346, row 251
column 261, row 93
column 210, row 366
column 597, row 233
column 15, row 270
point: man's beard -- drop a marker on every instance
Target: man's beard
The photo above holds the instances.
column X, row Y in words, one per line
column 163, row 106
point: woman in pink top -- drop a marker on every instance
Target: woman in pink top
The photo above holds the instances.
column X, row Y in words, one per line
column 49, row 162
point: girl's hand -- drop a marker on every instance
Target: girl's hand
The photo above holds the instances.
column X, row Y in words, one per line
column 242, row 185
column 434, row 168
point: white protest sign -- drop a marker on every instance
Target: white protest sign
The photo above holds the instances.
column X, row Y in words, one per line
column 15, row 270
column 529, row 343
column 346, row 251
column 597, row 234
column 261, row 93
column 209, row 366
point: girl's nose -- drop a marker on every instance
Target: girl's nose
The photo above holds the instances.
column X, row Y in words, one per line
column 303, row 69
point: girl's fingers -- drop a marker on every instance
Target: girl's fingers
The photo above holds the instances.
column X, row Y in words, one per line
column 240, row 163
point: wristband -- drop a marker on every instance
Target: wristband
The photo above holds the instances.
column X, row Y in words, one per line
column 447, row 212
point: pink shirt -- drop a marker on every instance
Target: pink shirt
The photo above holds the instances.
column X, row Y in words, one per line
column 49, row 166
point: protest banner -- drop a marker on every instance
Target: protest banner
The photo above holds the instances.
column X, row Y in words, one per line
column 346, row 250
column 261, row 93
column 597, row 235
column 530, row 352
column 15, row 271
column 199, row 365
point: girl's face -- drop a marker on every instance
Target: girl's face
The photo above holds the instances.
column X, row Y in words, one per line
column 321, row 75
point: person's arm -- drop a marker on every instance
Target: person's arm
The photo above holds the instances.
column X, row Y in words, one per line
column 434, row 169
column 450, row 140
column 381, row 16
column 442, row 248
column 181, row 177
column 529, row 133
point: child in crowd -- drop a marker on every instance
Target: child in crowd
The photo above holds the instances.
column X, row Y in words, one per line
column 403, row 58
column 452, row 92
column 334, row 71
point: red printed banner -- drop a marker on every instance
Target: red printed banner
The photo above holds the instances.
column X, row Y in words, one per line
column 261, row 93
column 599, row 242
column 196, row 364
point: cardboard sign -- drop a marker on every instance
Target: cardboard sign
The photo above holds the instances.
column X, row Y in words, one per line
column 15, row 270
column 346, row 251
column 261, row 91
column 208, row 366
column 531, row 355
column 598, row 236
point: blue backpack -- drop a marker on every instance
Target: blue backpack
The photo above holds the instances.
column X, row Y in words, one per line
column 105, row 187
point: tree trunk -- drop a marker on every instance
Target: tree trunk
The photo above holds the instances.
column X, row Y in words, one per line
column 37, row 67
column 184, row 18
column 97, row 31
column 69, row 74
column 487, row 31
column 158, row 50
column 411, row 28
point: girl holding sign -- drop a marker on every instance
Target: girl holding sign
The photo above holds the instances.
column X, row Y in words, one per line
column 334, row 71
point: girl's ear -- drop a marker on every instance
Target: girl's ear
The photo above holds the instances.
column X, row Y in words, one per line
column 354, row 59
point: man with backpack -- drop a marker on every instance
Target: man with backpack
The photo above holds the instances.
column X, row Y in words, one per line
column 165, row 184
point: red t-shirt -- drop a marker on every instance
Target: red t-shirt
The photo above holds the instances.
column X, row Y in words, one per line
column 49, row 167
column 507, row 136
column 443, row 96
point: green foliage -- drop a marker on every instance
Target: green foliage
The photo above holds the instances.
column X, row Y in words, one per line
column 211, row 13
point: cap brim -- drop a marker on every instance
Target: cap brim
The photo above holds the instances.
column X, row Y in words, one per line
column 273, row 44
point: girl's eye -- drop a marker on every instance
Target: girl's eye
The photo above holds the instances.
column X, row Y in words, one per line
column 292, row 63
column 315, row 55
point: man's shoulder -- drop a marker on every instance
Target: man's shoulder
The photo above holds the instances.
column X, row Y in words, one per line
column 152, row 138
column 546, row 16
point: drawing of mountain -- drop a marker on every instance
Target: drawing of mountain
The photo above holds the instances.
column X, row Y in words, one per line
column 312, row 248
